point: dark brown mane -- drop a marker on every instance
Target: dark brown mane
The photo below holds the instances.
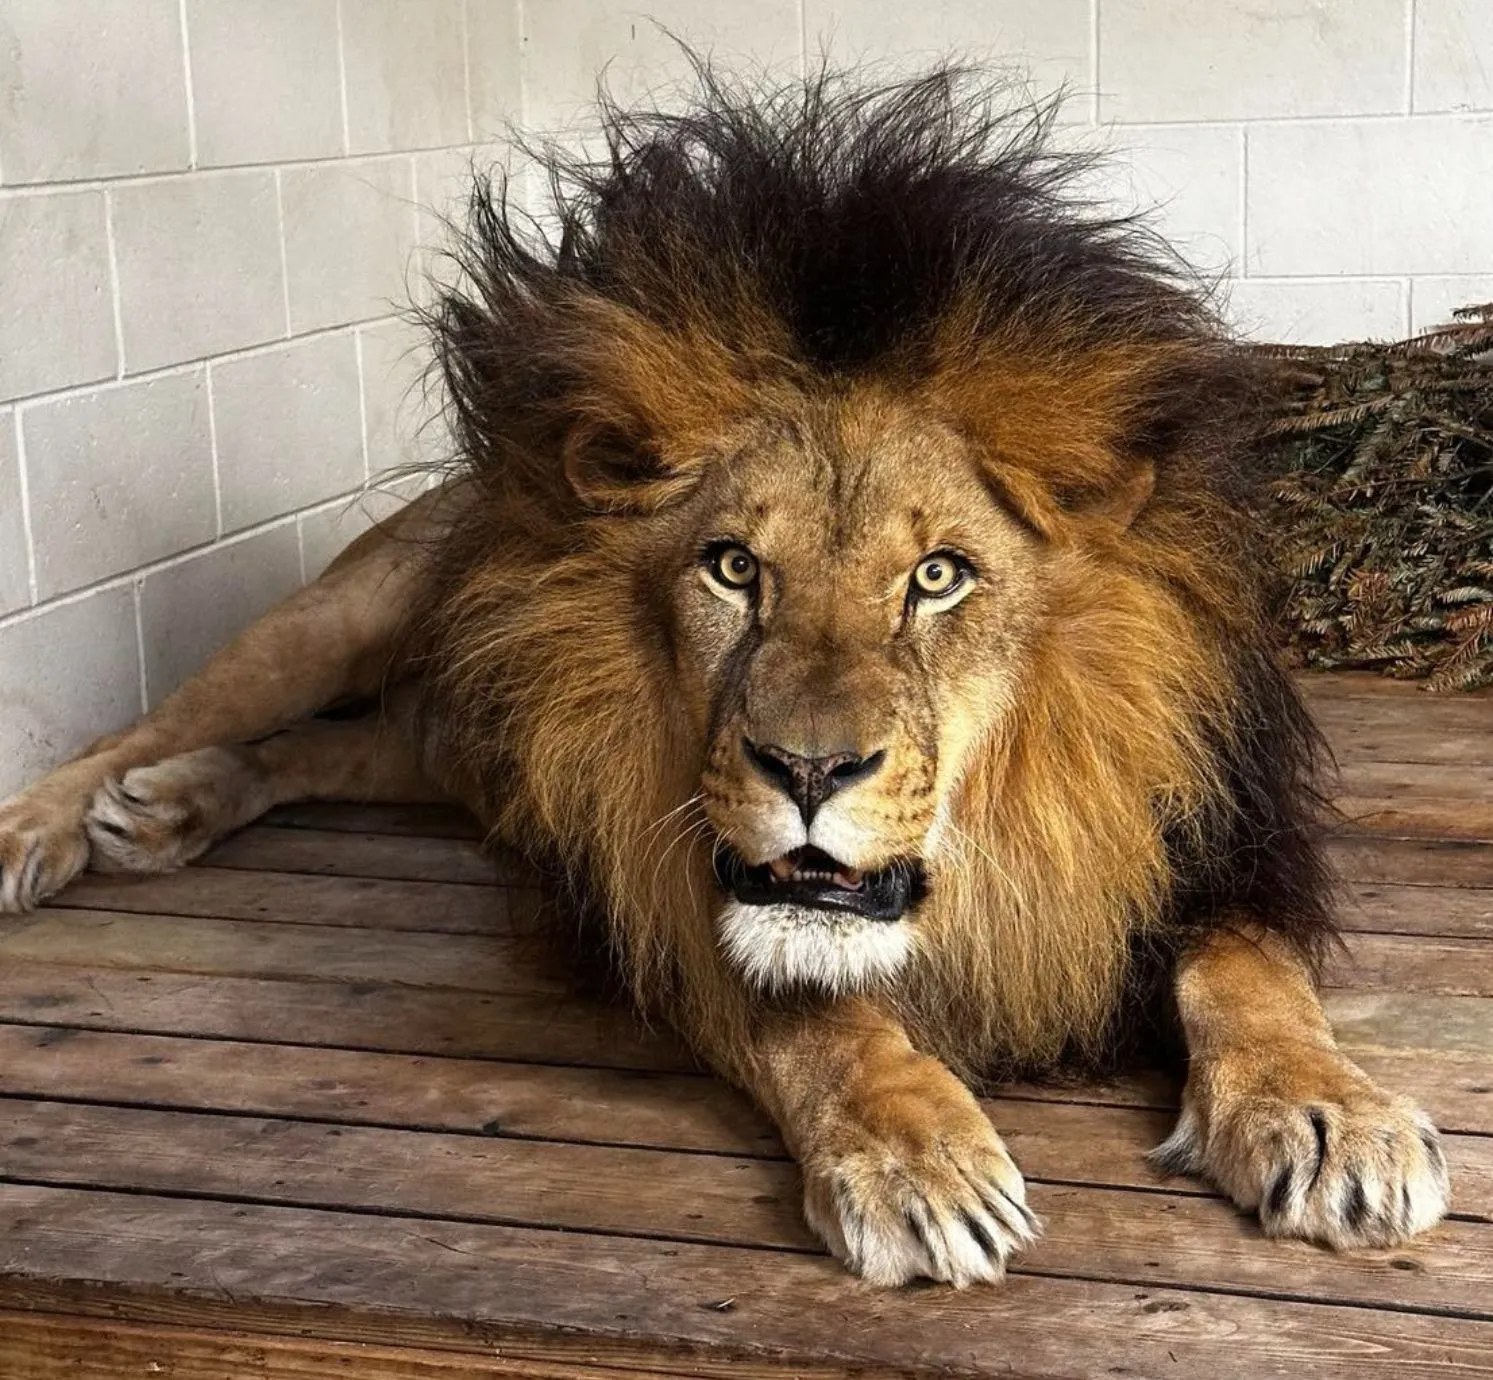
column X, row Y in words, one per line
column 918, row 237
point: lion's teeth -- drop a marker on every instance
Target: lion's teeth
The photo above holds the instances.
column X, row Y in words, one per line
column 783, row 870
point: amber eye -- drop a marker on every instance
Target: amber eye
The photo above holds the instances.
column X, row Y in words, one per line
column 938, row 575
column 733, row 566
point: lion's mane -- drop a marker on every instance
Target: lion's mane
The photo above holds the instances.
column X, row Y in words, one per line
column 918, row 238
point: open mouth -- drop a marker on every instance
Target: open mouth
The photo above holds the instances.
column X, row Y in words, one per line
column 810, row 878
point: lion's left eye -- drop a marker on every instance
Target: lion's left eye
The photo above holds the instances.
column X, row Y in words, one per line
column 939, row 575
column 732, row 566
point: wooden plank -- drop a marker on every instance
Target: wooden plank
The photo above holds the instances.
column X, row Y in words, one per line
column 1414, row 963
column 1363, row 733
column 49, row 1346
column 579, row 1186
column 393, row 1280
column 249, row 948
column 1416, row 862
column 1384, row 907
column 645, row 1108
column 1467, row 781
column 546, row 1027
column 1413, row 1022
column 337, row 853
column 441, row 1343
column 1359, row 686
column 225, row 893
column 1417, row 817
column 658, row 1110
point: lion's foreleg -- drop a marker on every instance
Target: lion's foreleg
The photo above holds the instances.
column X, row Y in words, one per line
column 1279, row 1118
column 904, row 1176
column 333, row 639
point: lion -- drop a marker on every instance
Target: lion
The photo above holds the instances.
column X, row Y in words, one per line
column 848, row 589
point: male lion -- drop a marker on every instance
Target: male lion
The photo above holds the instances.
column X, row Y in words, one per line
column 848, row 589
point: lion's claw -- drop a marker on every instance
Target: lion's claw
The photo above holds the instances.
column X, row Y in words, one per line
column 159, row 817
column 1364, row 1170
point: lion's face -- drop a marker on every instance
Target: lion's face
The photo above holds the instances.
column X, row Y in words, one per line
column 848, row 621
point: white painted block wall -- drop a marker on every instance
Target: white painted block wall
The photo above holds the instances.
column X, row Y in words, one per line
column 208, row 217
column 211, row 213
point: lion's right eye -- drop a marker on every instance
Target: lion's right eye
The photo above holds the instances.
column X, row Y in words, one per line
column 732, row 567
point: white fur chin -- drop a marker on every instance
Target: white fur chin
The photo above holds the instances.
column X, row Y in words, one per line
column 776, row 947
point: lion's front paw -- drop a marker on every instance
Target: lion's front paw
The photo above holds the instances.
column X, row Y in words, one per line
column 920, row 1197
column 1360, row 1169
column 160, row 817
column 42, row 848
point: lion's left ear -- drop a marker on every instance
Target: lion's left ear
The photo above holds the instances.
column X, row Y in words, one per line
column 1120, row 503
column 1058, row 511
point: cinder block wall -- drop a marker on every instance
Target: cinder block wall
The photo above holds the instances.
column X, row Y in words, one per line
column 210, row 213
column 208, row 218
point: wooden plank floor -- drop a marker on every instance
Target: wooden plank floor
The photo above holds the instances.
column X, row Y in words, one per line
column 314, row 1108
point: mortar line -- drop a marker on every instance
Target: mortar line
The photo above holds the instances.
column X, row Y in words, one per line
column 186, row 59
column 115, row 295
column 212, row 447
column 1094, row 61
column 347, row 143
column 1410, row 56
column 284, row 253
column 24, row 478
column 136, row 599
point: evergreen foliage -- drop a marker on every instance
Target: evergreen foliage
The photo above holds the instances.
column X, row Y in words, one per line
column 1380, row 502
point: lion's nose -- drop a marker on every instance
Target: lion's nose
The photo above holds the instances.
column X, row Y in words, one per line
column 809, row 781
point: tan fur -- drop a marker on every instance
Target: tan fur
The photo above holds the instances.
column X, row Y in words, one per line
column 1280, row 1119
column 894, row 1148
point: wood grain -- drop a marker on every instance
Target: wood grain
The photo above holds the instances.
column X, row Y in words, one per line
column 395, row 1280
column 1447, row 911
column 1415, row 862
column 225, row 893
column 478, row 1096
column 247, row 948
column 1414, row 963
column 342, row 853
column 552, row 1027
column 41, row 1346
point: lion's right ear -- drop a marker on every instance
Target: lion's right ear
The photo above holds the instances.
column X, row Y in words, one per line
column 618, row 469
column 647, row 405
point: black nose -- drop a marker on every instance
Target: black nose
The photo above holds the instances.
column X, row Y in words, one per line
column 809, row 781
